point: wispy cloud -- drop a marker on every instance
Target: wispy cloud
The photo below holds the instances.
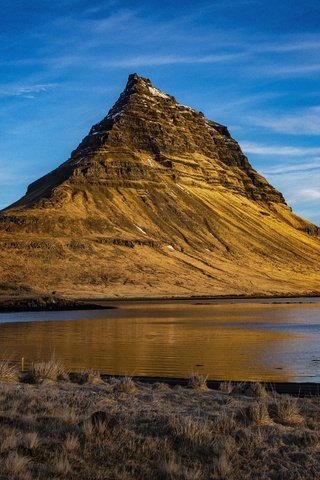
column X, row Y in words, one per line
column 301, row 188
column 283, row 169
column 127, row 29
column 300, row 191
column 290, row 45
column 151, row 60
column 291, row 70
column 298, row 180
column 300, row 122
column 25, row 91
column 281, row 150
column 12, row 176
column 306, row 194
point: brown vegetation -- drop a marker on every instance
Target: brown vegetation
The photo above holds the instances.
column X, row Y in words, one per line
column 120, row 430
column 8, row 371
column 46, row 371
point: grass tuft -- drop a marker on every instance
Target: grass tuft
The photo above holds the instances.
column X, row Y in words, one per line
column 198, row 381
column 41, row 371
column 256, row 389
column 62, row 465
column 225, row 423
column 88, row 429
column 172, row 469
column 15, row 463
column 223, row 467
column 258, row 414
column 86, row 376
column 194, row 431
column 287, row 411
column 31, row 440
column 8, row 371
column 125, row 385
column 71, row 442
column 226, row 387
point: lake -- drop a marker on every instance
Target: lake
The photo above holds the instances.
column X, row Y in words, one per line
column 267, row 340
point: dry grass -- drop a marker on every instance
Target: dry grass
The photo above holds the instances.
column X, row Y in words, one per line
column 198, row 381
column 71, row 442
column 87, row 429
column 257, row 390
column 51, row 370
column 62, row 465
column 223, row 467
column 190, row 429
column 86, row 376
column 173, row 469
column 8, row 371
column 15, row 463
column 226, row 387
column 101, row 431
column 125, row 385
column 287, row 411
column 225, row 423
column 258, row 413
column 31, row 440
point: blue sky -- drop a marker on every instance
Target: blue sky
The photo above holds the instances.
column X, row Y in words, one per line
column 252, row 65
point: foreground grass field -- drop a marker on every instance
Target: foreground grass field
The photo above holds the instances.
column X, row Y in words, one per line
column 55, row 428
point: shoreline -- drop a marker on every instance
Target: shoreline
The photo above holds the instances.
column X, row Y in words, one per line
column 10, row 304
column 301, row 389
column 163, row 298
column 47, row 303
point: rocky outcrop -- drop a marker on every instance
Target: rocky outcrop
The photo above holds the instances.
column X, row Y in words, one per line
column 156, row 198
column 180, row 144
column 49, row 303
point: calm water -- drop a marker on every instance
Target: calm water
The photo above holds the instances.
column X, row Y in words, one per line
column 240, row 340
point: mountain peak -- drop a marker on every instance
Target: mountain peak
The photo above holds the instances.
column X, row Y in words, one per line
column 134, row 79
column 139, row 86
column 145, row 122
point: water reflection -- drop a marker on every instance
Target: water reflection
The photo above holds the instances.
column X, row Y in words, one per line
column 226, row 341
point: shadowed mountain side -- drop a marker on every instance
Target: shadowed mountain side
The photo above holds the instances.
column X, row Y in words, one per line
column 156, row 200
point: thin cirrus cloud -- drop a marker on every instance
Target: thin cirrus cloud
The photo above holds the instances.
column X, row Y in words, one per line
column 300, row 122
column 153, row 60
column 26, row 91
column 299, row 180
column 308, row 194
column 300, row 187
column 283, row 169
column 283, row 69
column 135, row 32
column 292, row 45
column 280, row 150
column 10, row 174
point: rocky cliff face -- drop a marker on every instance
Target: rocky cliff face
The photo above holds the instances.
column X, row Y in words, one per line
column 156, row 199
column 180, row 143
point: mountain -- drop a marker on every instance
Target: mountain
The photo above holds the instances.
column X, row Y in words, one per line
column 156, row 200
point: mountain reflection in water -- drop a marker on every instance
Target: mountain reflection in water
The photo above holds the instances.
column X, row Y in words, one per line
column 236, row 341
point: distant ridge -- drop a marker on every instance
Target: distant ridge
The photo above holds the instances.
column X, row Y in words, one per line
column 156, row 200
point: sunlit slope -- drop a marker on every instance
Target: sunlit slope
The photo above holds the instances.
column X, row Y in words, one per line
column 156, row 200
column 211, row 243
